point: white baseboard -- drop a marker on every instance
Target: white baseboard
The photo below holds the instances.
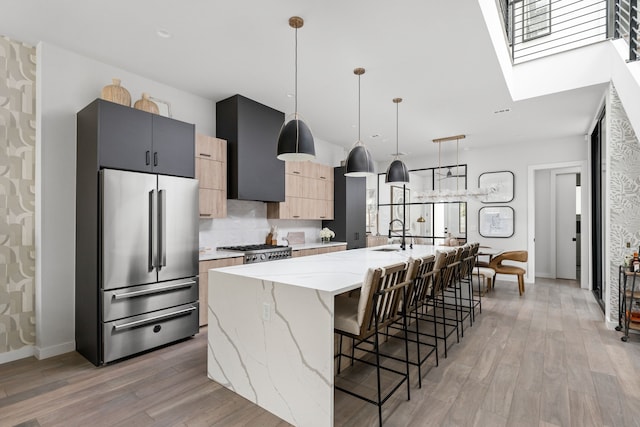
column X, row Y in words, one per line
column 545, row 275
column 21, row 353
column 610, row 325
column 54, row 350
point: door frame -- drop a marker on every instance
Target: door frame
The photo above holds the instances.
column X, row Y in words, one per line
column 582, row 167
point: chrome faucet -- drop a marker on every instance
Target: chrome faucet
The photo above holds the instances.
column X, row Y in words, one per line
column 403, row 244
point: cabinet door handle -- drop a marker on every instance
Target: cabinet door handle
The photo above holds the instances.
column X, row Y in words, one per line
column 154, row 319
column 152, row 230
column 323, row 177
column 162, row 228
column 154, row 290
column 296, row 172
column 296, row 216
column 148, row 157
column 155, row 158
column 205, row 155
column 322, row 217
column 205, row 214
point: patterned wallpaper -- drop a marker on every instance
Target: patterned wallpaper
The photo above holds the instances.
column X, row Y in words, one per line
column 624, row 195
column 17, row 194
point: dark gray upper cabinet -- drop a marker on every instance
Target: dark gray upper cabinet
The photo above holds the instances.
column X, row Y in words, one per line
column 173, row 147
column 350, row 209
column 135, row 140
column 251, row 130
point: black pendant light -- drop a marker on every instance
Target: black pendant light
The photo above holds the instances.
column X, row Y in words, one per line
column 295, row 142
column 397, row 172
column 359, row 161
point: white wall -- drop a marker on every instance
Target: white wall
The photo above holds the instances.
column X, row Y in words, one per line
column 67, row 82
column 515, row 158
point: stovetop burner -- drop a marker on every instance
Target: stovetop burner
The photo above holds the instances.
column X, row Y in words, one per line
column 260, row 252
column 256, row 247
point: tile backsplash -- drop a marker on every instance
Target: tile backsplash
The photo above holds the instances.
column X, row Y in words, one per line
column 247, row 223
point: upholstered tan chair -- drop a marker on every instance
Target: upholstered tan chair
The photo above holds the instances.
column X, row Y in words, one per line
column 500, row 268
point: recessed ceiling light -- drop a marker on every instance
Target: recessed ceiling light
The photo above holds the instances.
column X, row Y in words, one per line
column 290, row 95
column 399, row 153
column 162, row 33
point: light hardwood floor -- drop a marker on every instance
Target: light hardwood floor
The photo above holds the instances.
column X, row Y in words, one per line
column 544, row 359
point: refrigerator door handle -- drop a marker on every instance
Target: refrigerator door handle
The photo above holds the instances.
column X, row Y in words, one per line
column 152, row 230
column 162, row 228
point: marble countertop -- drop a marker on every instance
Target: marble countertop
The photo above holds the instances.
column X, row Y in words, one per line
column 208, row 254
column 334, row 272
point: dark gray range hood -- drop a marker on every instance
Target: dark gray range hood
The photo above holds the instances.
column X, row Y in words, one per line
column 251, row 130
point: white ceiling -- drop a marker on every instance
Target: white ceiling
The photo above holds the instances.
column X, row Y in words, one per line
column 436, row 55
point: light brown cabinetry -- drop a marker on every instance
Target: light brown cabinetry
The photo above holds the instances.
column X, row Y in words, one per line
column 376, row 240
column 304, row 252
column 204, row 267
column 319, row 250
column 211, row 171
column 308, row 192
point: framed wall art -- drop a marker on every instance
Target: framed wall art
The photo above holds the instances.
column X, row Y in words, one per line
column 500, row 185
column 496, row 221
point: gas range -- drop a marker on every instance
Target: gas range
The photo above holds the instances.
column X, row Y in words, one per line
column 260, row 252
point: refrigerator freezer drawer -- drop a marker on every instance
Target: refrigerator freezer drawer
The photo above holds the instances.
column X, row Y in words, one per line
column 133, row 335
column 135, row 300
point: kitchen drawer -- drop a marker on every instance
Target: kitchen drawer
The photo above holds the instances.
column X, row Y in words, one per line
column 132, row 335
column 136, row 300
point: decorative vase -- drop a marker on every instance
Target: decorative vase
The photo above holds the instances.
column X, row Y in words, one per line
column 116, row 93
column 145, row 104
column 325, row 240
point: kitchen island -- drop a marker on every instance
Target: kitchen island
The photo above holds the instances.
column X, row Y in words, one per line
column 270, row 336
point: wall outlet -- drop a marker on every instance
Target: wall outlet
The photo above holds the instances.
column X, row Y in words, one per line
column 266, row 311
column 628, row 244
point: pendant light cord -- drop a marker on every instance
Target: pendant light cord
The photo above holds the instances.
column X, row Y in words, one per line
column 439, row 166
column 296, row 79
column 457, row 165
column 359, row 107
column 397, row 115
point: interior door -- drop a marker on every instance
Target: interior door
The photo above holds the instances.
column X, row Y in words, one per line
column 566, row 226
column 177, row 227
column 128, row 200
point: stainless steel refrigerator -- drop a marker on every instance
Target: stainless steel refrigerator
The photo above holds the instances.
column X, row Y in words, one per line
column 148, row 263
